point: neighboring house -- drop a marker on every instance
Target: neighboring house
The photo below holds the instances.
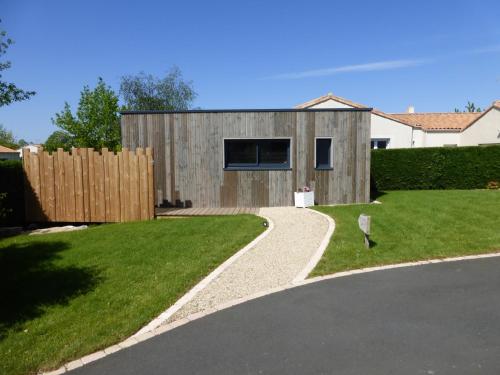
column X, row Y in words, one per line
column 8, row 154
column 254, row 158
column 405, row 130
column 33, row 149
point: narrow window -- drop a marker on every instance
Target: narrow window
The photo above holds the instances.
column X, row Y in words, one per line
column 240, row 154
column 323, row 153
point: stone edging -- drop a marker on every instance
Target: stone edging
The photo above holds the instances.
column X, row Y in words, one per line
column 167, row 327
column 398, row 265
column 319, row 252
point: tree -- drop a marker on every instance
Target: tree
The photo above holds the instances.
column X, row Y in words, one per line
column 22, row 142
column 9, row 92
column 58, row 139
column 7, row 139
column 470, row 107
column 148, row 93
column 96, row 123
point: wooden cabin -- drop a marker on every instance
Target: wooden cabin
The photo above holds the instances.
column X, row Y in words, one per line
column 254, row 158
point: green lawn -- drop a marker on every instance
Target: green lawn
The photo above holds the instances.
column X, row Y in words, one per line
column 413, row 225
column 66, row 295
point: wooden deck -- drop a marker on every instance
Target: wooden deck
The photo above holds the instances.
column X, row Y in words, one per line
column 205, row 211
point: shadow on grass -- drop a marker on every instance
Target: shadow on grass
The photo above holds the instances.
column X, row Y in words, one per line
column 374, row 195
column 375, row 192
column 29, row 281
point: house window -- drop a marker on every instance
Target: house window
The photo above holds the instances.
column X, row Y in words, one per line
column 256, row 154
column 323, row 155
column 379, row 143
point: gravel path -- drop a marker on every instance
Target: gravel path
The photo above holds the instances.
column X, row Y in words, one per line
column 273, row 262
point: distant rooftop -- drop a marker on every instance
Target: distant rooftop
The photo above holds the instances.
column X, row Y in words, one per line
column 6, row 149
column 439, row 121
column 445, row 121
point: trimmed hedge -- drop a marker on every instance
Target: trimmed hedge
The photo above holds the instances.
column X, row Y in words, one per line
column 12, row 183
column 435, row 168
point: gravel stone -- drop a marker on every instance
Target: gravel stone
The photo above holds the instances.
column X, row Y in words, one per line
column 273, row 262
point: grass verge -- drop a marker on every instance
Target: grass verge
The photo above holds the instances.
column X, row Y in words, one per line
column 413, row 225
column 69, row 294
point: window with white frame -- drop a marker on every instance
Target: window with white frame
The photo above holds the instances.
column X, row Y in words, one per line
column 379, row 143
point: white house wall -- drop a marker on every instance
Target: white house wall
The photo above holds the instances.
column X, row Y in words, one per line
column 439, row 139
column 418, row 138
column 486, row 130
column 399, row 135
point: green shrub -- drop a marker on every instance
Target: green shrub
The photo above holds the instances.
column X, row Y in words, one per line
column 435, row 168
column 12, row 192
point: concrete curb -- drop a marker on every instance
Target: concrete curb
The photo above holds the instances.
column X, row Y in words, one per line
column 319, row 252
column 398, row 265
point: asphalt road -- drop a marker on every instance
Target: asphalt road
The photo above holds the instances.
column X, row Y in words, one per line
column 441, row 318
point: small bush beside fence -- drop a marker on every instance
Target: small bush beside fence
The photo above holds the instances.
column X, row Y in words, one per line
column 435, row 168
column 11, row 192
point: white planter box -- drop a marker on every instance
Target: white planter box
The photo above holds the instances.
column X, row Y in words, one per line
column 304, row 199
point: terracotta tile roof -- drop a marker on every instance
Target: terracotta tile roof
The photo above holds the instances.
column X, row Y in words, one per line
column 6, row 149
column 350, row 103
column 446, row 121
column 439, row 121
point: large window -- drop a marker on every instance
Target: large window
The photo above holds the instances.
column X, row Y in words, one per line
column 323, row 154
column 377, row 143
column 256, row 154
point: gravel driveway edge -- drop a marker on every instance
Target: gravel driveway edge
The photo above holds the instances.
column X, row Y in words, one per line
column 319, row 252
column 164, row 316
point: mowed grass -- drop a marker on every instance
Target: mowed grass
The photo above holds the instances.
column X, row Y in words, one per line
column 69, row 294
column 413, row 225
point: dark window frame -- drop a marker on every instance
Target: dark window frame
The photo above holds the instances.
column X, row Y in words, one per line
column 258, row 166
column 330, row 156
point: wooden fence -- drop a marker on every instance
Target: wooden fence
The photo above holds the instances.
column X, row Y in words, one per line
column 88, row 186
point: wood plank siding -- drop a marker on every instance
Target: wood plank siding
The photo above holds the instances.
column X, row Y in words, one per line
column 188, row 150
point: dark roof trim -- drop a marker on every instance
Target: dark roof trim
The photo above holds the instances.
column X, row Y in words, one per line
column 249, row 110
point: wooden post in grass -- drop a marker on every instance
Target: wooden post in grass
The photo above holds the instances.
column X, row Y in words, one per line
column 364, row 222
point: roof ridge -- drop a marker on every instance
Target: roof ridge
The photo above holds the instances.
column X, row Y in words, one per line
column 329, row 96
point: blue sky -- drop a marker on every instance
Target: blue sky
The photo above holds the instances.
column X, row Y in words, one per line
column 435, row 55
